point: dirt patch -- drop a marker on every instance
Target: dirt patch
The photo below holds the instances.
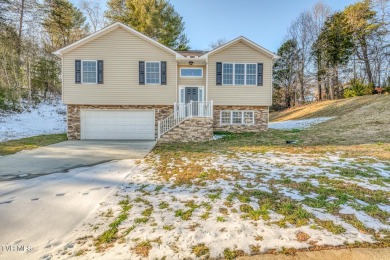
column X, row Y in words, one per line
column 302, row 236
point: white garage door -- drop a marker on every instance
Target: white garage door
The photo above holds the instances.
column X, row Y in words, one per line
column 117, row 124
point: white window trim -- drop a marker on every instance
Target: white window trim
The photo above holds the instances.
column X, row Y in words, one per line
column 182, row 87
column 201, row 69
column 82, row 73
column 159, row 73
column 242, row 117
column 234, row 74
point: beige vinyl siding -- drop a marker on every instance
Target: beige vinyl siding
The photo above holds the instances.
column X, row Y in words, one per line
column 240, row 95
column 188, row 81
column 121, row 52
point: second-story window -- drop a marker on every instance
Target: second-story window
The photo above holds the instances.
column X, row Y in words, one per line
column 89, row 71
column 191, row 72
column 153, row 75
column 251, row 74
column 239, row 74
column 227, row 71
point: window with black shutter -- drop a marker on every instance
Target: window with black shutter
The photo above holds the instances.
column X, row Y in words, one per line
column 77, row 71
column 163, row 73
column 100, row 72
column 260, row 74
column 219, row 73
column 142, row 73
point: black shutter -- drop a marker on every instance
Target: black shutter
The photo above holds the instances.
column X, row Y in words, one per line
column 77, row 70
column 100, row 72
column 259, row 74
column 142, row 73
column 219, row 73
column 163, row 73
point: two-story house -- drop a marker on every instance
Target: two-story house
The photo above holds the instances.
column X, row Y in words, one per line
column 121, row 84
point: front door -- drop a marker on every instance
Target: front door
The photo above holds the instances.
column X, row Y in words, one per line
column 191, row 94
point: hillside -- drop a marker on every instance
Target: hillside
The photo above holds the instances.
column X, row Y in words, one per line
column 358, row 120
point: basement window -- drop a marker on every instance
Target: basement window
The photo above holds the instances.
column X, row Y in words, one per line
column 237, row 117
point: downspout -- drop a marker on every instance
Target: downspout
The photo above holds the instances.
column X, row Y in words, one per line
column 207, row 81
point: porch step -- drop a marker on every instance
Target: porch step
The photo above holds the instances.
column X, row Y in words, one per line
column 190, row 130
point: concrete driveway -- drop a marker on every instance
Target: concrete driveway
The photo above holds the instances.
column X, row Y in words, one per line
column 68, row 155
column 40, row 216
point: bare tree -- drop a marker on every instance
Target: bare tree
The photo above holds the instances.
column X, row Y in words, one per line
column 301, row 32
column 320, row 12
column 93, row 10
column 380, row 48
column 217, row 43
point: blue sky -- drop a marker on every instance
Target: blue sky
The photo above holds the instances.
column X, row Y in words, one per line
column 263, row 21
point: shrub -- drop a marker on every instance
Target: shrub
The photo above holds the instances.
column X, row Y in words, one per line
column 358, row 88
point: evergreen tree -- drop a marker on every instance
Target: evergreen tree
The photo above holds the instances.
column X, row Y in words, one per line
column 64, row 24
column 285, row 70
column 362, row 25
column 154, row 18
column 334, row 48
column 9, row 68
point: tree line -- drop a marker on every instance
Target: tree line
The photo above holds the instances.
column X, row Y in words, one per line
column 31, row 30
column 334, row 54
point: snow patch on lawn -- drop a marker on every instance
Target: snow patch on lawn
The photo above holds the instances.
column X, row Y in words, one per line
column 46, row 118
column 214, row 211
column 298, row 124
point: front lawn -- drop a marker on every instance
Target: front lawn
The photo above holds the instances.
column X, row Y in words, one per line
column 29, row 143
column 246, row 194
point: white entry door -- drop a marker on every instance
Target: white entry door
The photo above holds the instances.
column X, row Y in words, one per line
column 117, row 124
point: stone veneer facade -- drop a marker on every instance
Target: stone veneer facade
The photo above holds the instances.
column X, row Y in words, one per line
column 191, row 130
column 74, row 132
column 260, row 116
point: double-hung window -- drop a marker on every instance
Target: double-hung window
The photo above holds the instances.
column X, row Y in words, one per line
column 89, row 71
column 237, row 117
column 251, row 74
column 239, row 74
column 227, row 71
column 153, row 72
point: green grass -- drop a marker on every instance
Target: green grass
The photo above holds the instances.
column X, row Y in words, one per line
column 14, row 146
column 205, row 215
column 163, row 205
column 141, row 220
column 147, row 212
column 232, row 254
column 214, row 196
column 293, row 213
column 245, row 208
column 221, row 219
column 110, row 235
column 200, row 250
column 184, row 214
column 331, row 227
column 168, row 227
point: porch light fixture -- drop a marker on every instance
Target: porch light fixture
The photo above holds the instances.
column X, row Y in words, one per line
column 190, row 62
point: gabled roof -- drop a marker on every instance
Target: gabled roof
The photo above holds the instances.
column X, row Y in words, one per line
column 109, row 29
column 190, row 53
column 248, row 42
